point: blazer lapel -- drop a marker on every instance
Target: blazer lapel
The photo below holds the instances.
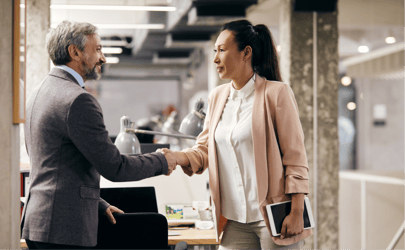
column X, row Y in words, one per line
column 219, row 108
column 259, row 137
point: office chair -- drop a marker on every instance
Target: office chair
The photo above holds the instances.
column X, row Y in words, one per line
column 141, row 227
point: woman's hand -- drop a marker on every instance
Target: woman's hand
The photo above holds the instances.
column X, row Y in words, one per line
column 293, row 224
column 181, row 157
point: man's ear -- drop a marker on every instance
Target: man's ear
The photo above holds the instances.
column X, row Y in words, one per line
column 74, row 52
column 247, row 53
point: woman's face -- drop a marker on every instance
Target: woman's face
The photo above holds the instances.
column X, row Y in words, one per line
column 228, row 59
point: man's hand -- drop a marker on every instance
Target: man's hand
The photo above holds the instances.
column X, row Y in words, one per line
column 109, row 213
column 171, row 159
column 293, row 224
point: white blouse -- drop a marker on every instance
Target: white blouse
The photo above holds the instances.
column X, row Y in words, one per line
column 236, row 162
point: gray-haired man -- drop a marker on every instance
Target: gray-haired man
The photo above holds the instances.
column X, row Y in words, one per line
column 69, row 147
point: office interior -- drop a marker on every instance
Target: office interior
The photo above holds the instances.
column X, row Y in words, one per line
column 345, row 67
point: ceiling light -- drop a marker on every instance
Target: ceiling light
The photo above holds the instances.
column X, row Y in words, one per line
column 126, row 26
column 390, row 40
column 111, row 50
column 112, row 60
column 363, row 49
column 108, row 7
column 346, row 80
column 112, row 7
column 351, row 106
column 113, row 43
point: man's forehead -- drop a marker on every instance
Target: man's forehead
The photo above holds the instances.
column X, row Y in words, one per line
column 93, row 40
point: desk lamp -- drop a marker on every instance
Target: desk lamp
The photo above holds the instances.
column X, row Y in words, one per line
column 190, row 128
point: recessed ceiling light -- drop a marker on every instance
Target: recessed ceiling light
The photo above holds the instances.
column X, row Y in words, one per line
column 112, row 60
column 156, row 26
column 363, row 49
column 346, row 80
column 109, row 7
column 113, row 43
column 351, row 106
column 111, row 50
column 390, row 40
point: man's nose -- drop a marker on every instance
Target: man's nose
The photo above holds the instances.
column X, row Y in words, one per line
column 102, row 59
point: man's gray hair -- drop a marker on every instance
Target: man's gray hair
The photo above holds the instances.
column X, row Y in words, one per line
column 65, row 34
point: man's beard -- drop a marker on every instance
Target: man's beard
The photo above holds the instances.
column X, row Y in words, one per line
column 90, row 74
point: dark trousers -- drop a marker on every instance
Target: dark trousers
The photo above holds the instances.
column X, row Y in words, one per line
column 44, row 245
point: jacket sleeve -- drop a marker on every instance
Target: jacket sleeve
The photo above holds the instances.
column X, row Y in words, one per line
column 102, row 206
column 86, row 129
column 291, row 141
column 198, row 154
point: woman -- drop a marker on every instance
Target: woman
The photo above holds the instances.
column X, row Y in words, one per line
column 252, row 142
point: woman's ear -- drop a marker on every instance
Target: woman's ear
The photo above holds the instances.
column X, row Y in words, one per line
column 247, row 53
column 74, row 52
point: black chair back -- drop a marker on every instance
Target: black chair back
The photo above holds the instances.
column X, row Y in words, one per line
column 141, row 227
column 131, row 199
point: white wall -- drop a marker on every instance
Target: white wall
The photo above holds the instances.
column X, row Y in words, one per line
column 380, row 147
column 134, row 98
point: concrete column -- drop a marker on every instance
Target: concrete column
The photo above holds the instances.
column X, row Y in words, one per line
column 38, row 25
column 309, row 64
column 9, row 148
column 38, row 62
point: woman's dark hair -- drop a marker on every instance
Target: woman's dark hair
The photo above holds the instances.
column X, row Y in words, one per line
column 264, row 53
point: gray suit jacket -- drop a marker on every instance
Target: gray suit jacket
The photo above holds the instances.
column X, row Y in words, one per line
column 69, row 148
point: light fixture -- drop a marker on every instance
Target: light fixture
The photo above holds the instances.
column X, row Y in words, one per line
column 112, row 60
column 113, row 43
column 351, row 106
column 109, row 7
column 278, row 48
column 390, row 40
column 346, row 80
column 363, row 49
column 190, row 127
column 111, row 50
column 156, row 26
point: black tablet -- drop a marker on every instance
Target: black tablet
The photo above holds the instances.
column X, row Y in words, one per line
column 278, row 211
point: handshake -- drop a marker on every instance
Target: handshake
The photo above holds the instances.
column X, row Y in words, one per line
column 174, row 158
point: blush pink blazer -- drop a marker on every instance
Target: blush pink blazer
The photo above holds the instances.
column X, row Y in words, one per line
column 278, row 144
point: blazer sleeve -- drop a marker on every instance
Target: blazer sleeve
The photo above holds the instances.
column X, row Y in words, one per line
column 198, row 154
column 291, row 141
column 102, row 206
column 86, row 129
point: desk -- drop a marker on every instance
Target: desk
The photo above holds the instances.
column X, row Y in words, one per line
column 23, row 243
column 194, row 237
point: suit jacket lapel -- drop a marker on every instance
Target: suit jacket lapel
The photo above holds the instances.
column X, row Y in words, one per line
column 259, row 137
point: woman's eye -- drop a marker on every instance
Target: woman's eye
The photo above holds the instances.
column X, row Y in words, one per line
column 221, row 50
column 215, row 51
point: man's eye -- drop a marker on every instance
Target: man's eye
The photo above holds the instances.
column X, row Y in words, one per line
column 221, row 50
column 215, row 50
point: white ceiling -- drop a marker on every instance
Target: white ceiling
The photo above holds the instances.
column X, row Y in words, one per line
column 360, row 22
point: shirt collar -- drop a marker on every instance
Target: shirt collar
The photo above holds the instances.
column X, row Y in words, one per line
column 245, row 91
column 76, row 75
